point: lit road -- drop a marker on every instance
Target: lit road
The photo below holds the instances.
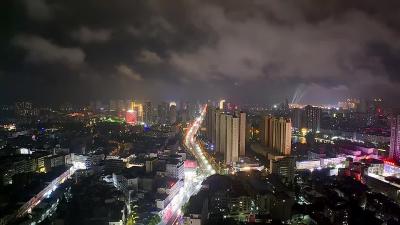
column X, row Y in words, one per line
column 172, row 213
column 33, row 202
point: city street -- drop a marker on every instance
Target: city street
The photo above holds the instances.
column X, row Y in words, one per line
column 172, row 213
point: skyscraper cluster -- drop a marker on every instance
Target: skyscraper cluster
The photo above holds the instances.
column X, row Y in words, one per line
column 276, row 134
column 309, row 117
column 144, row 112
column 226, row 131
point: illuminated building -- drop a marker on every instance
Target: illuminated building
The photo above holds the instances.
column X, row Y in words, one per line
column 349, row 104
column 395, row 139
column 213, row 125
column 308, row 164
column 377, row 106
column 211, row 121
column 167, row 189
column 232, row 133
column 222, row 133
column 217, row 131
column 190, row 164
column 276, row 134
column 390, row 168
column 284, row 167
column 312, row 118
column 172, row 104
column 228, row 138
column 138, row 108
column 84, row 161
column 226, row 132
column 175, row 169
column 221, row 104
column 248, row 164
column 131, row 117
column 126, row 182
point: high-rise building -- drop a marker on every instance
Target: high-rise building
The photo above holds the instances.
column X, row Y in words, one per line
column 138, row 108
column 395, row 139
column 217, row 131
column 226, row 132
column 209, row 122
column 264, row 130
column 242, row 132
column 312, row 118
column 363, row 106
column 284, row 167
column 349, row 104
column 376, row 107
column 162, row 111
column 131, row 117
column 213, row 125
column 296, row 116
column 172, row 113
column 222, row 104
column 222, row 133
column 148, row 113
column 192, row 110
column 229, row 138
column 235, row 133
column 183, row 112
column 276, row 134
column 175, row 169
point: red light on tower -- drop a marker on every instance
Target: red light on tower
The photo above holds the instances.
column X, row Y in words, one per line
column 131, row 117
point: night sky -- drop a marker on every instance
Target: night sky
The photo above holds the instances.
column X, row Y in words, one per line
column 247, row 51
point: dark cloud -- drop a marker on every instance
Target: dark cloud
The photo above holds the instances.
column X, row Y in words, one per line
column 86, row 35
column 128, row 72
column 149, row 57
column 206, row 49
column 38, row 10
column 40, row 50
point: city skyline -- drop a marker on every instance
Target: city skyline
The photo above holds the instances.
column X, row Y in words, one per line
column 306, row 51
column 200, row 112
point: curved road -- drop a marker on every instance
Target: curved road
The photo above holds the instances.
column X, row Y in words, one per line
column 172, row 213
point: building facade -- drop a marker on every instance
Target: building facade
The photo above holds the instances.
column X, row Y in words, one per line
column 395, row 139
